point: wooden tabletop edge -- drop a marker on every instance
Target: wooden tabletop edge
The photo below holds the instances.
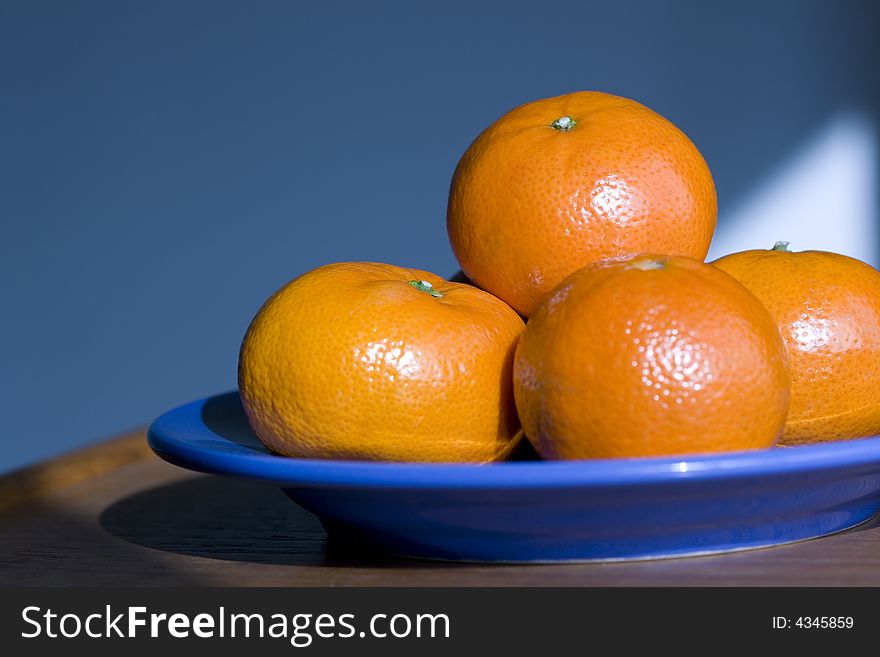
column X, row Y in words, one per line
column 39, row 481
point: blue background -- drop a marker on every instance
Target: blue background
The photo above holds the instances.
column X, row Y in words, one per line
column 165, row 166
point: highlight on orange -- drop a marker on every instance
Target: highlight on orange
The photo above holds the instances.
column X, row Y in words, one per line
column 650, row 356
column 372, row 361
column 827, row 306
column 561, row 182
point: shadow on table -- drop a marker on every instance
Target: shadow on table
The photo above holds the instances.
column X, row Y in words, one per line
column 232, row 520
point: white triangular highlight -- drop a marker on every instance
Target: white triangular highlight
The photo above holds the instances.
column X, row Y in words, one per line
column 823, row 198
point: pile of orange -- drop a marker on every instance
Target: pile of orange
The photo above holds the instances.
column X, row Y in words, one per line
column 588, row 321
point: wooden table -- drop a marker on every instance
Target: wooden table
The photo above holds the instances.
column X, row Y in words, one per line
column 114, row 514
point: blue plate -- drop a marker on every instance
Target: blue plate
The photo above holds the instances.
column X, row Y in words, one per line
column 534, row 511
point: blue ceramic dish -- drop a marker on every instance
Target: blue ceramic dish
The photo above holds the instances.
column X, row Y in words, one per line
column 534, row 511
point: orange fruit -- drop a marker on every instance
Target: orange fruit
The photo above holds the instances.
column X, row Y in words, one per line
column 650, row 356
column 371, row 361
column 827, row 307
column 561, row 182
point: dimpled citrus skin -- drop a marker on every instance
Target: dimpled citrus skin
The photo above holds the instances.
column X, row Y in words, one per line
column 529, row 204
column 350, row 361
column 828, row 309
column 650, row 356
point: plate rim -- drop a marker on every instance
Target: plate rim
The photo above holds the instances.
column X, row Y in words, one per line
column 165, row 439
